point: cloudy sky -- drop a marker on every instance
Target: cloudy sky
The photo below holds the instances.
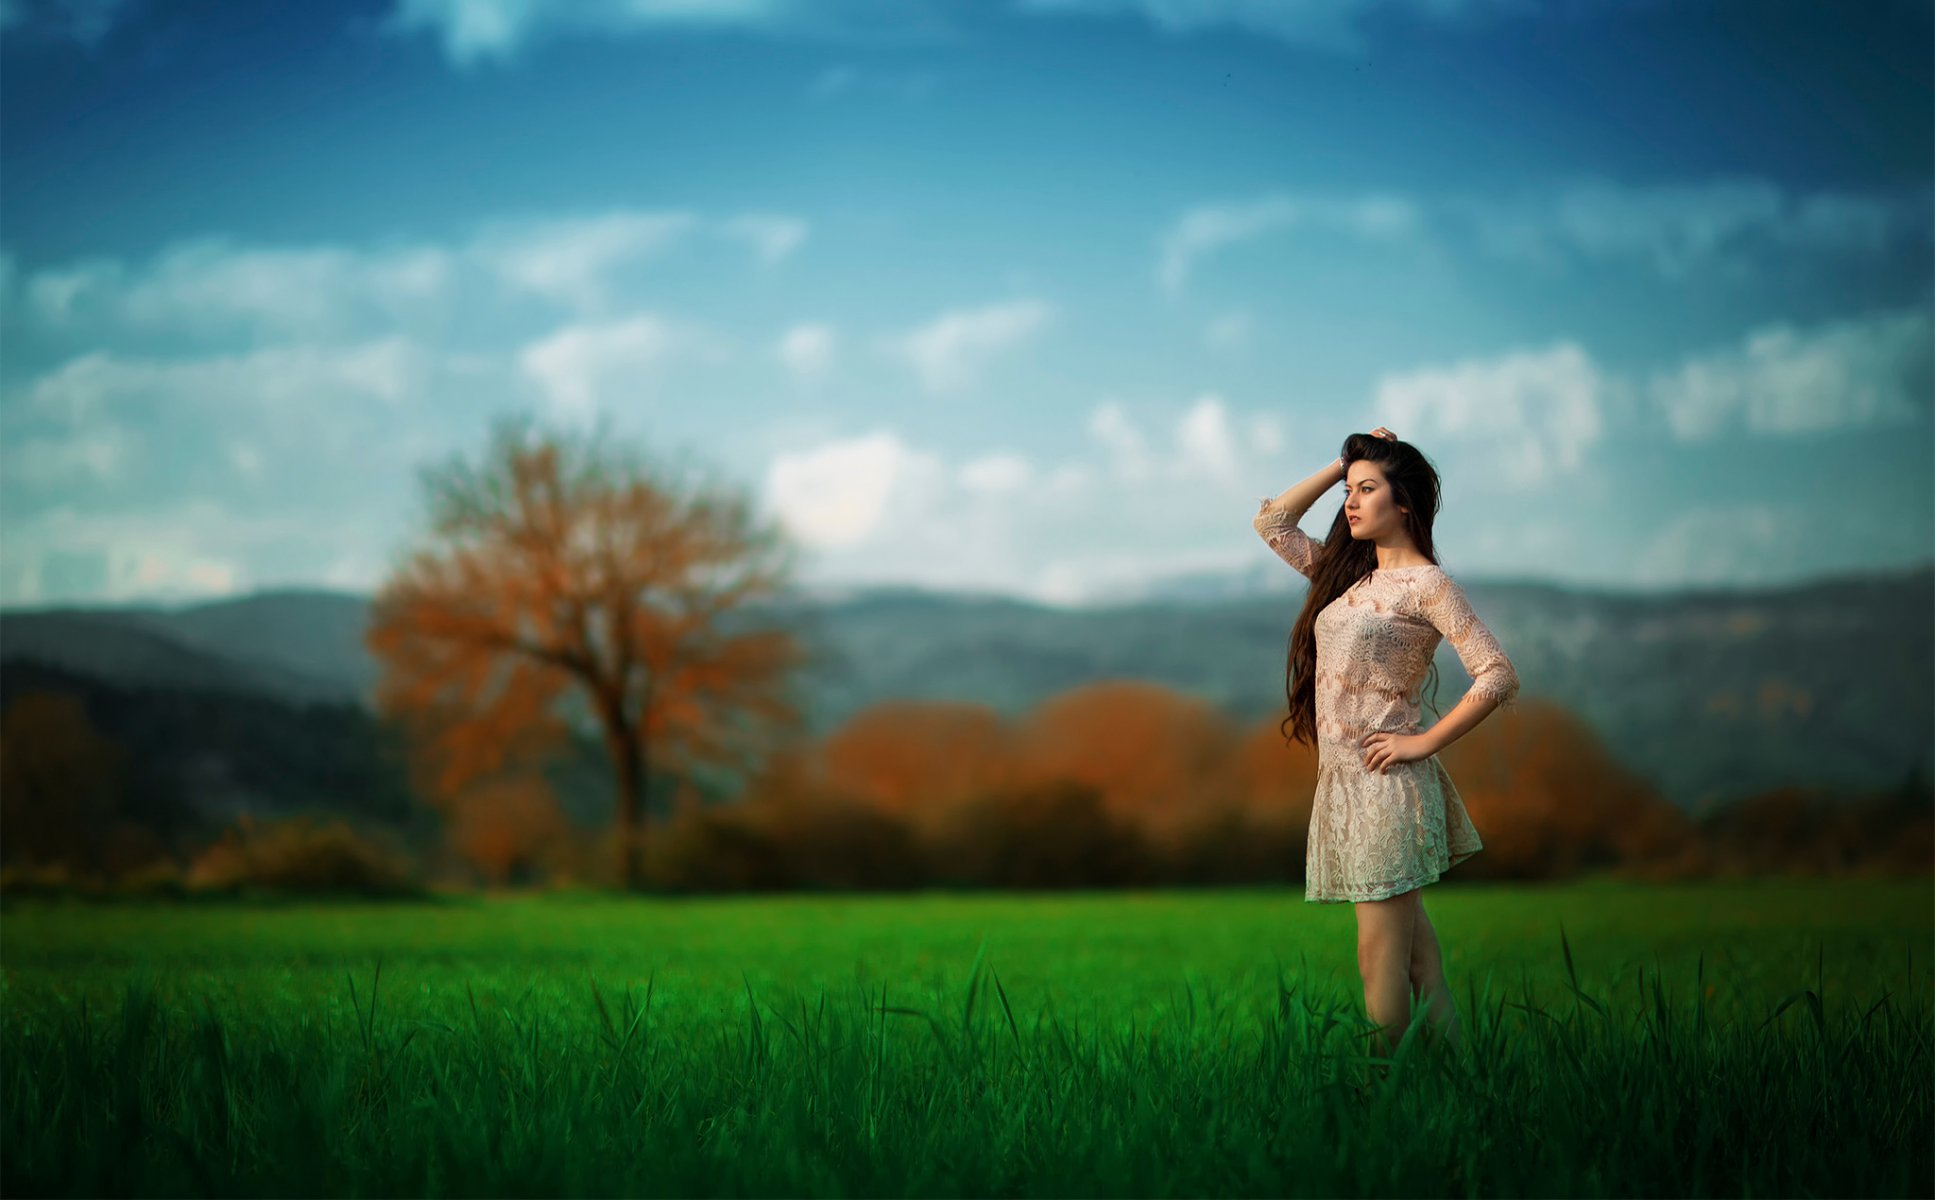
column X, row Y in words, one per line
column 1033, row 295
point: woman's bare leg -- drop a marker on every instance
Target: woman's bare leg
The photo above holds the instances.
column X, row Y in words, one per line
column 1384, row 936
column 1428, row 980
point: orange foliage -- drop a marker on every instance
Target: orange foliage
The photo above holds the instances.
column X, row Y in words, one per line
column 1157, row 758
column 1215, row 801
column 507, row 825
column 300, row 854
column 1549, row 798
column 1274, row 779
column 563, row 584
column 915, row 759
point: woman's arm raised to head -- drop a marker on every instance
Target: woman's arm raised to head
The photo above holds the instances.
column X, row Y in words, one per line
column 1297, row 498
column 1276, row 521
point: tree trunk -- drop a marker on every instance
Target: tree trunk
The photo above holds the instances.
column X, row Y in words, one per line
column 628, row 756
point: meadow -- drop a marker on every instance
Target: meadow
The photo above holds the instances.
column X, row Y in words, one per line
column 1765, row 1038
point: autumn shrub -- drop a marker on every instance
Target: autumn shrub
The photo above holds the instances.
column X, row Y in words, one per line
column 1805, row 831
column 582, row 860
column 1232, row 846
column 832, row 843
column 1054, row 834
column 299, row 855
column 50, row 879
column 158, row 879
column 728, row 848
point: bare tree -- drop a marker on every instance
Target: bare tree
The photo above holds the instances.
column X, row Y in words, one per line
column 561, row 574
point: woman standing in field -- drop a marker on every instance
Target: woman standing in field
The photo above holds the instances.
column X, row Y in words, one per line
column 1385, row 819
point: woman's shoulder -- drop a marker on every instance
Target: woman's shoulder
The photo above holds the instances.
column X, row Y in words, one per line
column 1423, row 581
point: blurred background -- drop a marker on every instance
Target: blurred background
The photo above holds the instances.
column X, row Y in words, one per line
column 473, row 443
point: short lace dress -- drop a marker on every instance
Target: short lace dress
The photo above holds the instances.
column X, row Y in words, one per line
column 1374, row 836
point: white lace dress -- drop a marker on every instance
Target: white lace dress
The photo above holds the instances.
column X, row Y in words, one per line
column 1373, row 836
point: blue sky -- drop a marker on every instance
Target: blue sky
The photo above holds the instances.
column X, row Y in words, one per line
column 1041, row 297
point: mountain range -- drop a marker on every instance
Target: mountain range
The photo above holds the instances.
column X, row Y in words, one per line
column 1710, row 694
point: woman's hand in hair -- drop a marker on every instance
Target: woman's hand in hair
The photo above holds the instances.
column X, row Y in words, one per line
column 1384, row 433
column 1383, row 748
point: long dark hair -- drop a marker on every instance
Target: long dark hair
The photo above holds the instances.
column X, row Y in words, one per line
column 1344, row 560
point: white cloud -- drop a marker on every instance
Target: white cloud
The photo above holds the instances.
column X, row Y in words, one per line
column 85, row 456
column 1128, row 450
column 211, row 285
column 1730, row 225
column 1733, row 227
column 1206, row 444
column 216, row 286
column 130, row 477
column 771, row 237
column 843, row 493
column 82, row 21
column 1208, row 228
column 1536, row 412
column 1781, row 381
column 842, row 78
column 471, row 33
column 188, row 550
column 1719, row 544
column 1231, row 331
column 283, row 383
column 876, row 508
column 1107, row 577
column 807, row 349
column 581, row 366
column 948, row 352
column 109, row 429
column 996, row 473
column 1071, row 479
column 244, row 457
column 160, row 573
column 474, row 32
column 1266, row 434
column 570, row 260
column 1326, row 26
column 1203, row 446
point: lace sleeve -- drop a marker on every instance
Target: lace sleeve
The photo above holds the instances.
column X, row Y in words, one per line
column 1292, row 545
column 1443, row 603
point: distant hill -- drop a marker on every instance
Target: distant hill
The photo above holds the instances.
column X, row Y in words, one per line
column 195, row 759
column 1711, row 694
column 145, row 648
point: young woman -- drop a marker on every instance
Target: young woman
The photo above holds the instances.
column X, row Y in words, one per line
column 1385, row 819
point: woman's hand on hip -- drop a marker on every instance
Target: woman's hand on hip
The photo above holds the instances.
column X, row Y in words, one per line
column 1383, row 748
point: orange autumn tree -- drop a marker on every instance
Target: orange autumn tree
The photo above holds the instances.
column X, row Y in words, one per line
column 917, row 760
column 507, row 825
column 1551, row 800
column 1161, row 759
column 564, row 580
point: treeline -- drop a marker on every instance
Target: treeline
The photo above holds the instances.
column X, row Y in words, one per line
column 1118, row 784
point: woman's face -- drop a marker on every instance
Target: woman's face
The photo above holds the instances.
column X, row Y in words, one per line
column 1368, row 504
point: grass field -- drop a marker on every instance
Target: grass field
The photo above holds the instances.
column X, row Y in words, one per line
column 1204, row 1043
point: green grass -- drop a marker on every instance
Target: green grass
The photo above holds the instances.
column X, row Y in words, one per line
column 1688, row 1040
